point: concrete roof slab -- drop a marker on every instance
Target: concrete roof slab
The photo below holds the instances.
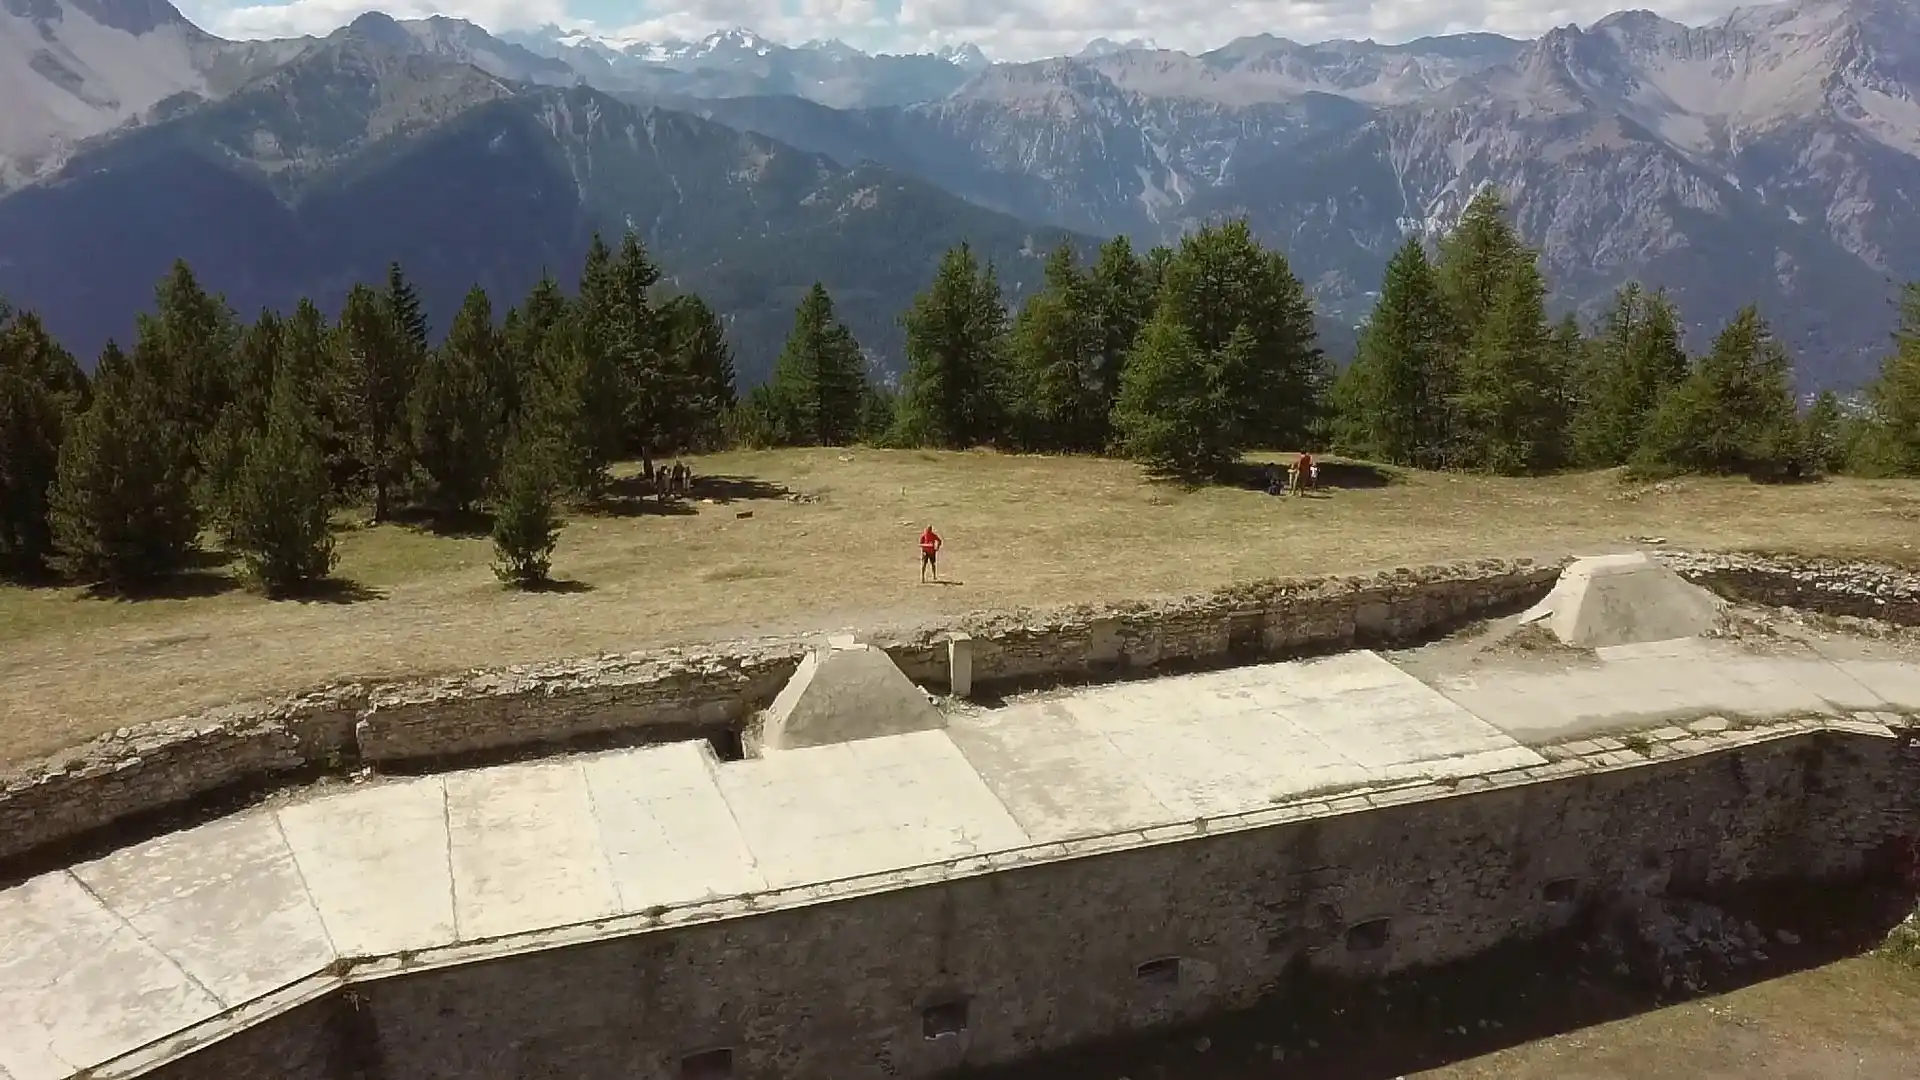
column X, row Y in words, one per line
column 225, row 901
column 1057, row 777
column 829, row 812
column 526, row 850
column 668, row 834
column 79, row 986
column 376, row 864
column 1898, row 684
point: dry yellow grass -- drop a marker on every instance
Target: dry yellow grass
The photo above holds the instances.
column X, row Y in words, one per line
column 1019, row 531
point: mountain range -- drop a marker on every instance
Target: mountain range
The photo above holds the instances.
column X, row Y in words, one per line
column 1772, row 157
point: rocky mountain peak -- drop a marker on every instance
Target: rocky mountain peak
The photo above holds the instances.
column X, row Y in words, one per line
column 378, row 29
column 136, row 17
column 1058, row 76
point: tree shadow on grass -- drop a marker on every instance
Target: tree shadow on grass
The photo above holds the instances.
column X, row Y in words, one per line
column 329, row 591
column 1335, row 475
column 723, row 488
column 611, row 505
column 559, row 587
column 469, row 524
column 186, row 585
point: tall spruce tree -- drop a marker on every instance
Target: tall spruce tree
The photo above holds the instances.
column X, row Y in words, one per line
column 250, row 380
column 956, row 349
column 1122, row 298
column 376, row 369
column 42, row 391
column 1733, row 413
column 1636, row 358
column 1506, row 399
column 1176, row 412
column 1474, row 260
column 522, row 336
column 1058, row 400
column 576, row 409
column 1888, row 443
column 1221, row 282
column 122, row 508
column 819, row 382
column 403, row 304
column 655, row 389
column 1393, row 399
column 279, row 503
column 185, row 347
column 453, row 413
column 703, row 362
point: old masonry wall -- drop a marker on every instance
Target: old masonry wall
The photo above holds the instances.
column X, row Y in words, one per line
column 989, row 960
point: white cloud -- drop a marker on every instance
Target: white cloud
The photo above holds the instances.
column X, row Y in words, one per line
column 1006, row 29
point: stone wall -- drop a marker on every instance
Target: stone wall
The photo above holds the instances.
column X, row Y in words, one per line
column 1854, row 590
column 1269, row 620
column 136, row 773
column 1033, row 958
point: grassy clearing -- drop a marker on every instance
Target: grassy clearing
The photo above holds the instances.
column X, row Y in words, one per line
column 1019, row 531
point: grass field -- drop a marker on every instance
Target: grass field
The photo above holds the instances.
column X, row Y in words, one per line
column 1019, row 531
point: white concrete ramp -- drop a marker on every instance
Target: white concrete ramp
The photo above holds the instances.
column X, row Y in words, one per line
column 1628, row 599
column 845, row 692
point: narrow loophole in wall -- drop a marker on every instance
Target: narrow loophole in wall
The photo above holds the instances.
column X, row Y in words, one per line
column 1369, row 936
column 715, row 1064
column 727, row 745
column 1162, row 972
column 944, row 1018
column 1562, row 890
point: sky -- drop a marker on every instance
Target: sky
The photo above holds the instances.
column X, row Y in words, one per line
column 1005, row 29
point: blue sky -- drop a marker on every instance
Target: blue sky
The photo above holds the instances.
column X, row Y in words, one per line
column 1006, row 29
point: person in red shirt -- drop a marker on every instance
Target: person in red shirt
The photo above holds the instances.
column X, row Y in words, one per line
column 929, row 547
column 1304, row 473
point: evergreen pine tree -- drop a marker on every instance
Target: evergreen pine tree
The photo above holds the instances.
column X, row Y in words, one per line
column 1636, row 359
column 1505, row 398
column 453, row 412
column 576, row 406
column 250, row 387
column 819, row 381
column 1823, row 434
column 1058, row 400
column 655, row 388
column 526, row 525
column 1393, row 398
column 185, row 347
column 122, row 509
column 1122, row 299
column 956, row 344
column 522, row 337
column 403, row 304
column 41, row 392
column 279, row 504
column 1221, row 282
column 1733, row 413
column 376, row 370
column 1888, row 443
column 1474, row 259
column 704, row 365
column 1175, row 414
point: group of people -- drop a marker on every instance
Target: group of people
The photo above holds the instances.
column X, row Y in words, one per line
column 675, row 482
column 1302, row 473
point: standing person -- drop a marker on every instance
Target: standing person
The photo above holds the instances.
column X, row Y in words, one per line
column 929, row 549
column 1302, row 472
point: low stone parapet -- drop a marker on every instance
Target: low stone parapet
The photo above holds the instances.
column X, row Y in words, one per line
column 690, row 692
